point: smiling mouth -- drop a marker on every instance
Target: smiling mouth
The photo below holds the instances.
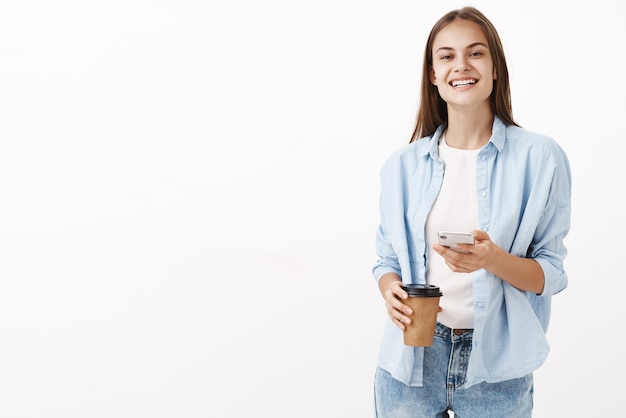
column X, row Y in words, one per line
column 461, row 83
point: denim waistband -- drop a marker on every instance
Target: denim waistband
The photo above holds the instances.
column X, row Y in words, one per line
column 456, row 334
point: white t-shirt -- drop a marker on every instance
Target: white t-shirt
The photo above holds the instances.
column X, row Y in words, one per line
column 455, row 209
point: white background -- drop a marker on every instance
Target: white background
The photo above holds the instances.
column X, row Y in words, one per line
column 189, row 197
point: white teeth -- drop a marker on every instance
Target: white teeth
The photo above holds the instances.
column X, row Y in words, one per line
column 456, row 83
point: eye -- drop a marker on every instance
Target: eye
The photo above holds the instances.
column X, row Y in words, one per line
column 445, row 57
column 476, row 54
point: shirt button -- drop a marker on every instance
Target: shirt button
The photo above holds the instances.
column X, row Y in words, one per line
column 483, row 194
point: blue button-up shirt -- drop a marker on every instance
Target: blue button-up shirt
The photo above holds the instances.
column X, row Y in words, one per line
column 523, row 188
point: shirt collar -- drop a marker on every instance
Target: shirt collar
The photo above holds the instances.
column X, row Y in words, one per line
column 498, row 133
column 498, row 136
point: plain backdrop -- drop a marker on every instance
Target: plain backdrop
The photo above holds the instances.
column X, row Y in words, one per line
column 189, row 198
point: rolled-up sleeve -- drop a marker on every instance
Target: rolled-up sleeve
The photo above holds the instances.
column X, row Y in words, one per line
column 391, row 225
column 549, row 249
column 387, row 259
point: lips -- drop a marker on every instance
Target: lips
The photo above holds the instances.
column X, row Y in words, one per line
column 464, row 82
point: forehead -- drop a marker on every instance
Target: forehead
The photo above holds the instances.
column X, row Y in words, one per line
column 459, row 34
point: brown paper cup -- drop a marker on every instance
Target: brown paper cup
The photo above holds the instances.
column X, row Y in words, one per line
column 424, row 300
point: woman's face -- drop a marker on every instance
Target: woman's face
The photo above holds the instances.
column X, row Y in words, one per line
column 462, row 67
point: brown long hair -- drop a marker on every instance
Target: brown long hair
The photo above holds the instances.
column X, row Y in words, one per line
column 433, row 110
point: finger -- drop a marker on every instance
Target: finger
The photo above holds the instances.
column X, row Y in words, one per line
column 399, row 323
column 480, row 235
column 396, row 288
column 401, row 310
column 396, row 315
column 393, row 295
column 461, row 267
column 456, row 266
column 452, row 256
column 464, row 248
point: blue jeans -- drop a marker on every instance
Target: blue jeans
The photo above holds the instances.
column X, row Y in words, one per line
column 445, row 366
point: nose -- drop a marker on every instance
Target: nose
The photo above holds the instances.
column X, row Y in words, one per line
column 462, row 65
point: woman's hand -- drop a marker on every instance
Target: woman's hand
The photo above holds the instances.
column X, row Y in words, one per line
column 467, row 258
column 390, row 287
column 523, row 273
column 397, row 311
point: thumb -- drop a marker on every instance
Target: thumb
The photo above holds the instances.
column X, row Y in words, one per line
column 480, row 235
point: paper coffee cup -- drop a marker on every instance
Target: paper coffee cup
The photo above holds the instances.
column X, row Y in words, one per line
column 424, row 300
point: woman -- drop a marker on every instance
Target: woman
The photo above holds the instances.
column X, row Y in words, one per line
column 470, row 167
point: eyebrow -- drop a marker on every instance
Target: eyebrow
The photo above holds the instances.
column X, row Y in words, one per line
column 470, row 46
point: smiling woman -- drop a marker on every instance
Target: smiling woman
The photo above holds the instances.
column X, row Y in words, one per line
column 465, row 53
column 188, row 194
column 462, row 72
column 470, row 168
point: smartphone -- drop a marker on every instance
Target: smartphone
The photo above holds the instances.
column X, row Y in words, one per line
column 450, row 238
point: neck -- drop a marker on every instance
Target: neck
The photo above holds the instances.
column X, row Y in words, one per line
column 466, row 131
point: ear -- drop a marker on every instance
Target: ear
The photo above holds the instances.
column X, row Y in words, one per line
column 432, row 76
column 495, row 73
